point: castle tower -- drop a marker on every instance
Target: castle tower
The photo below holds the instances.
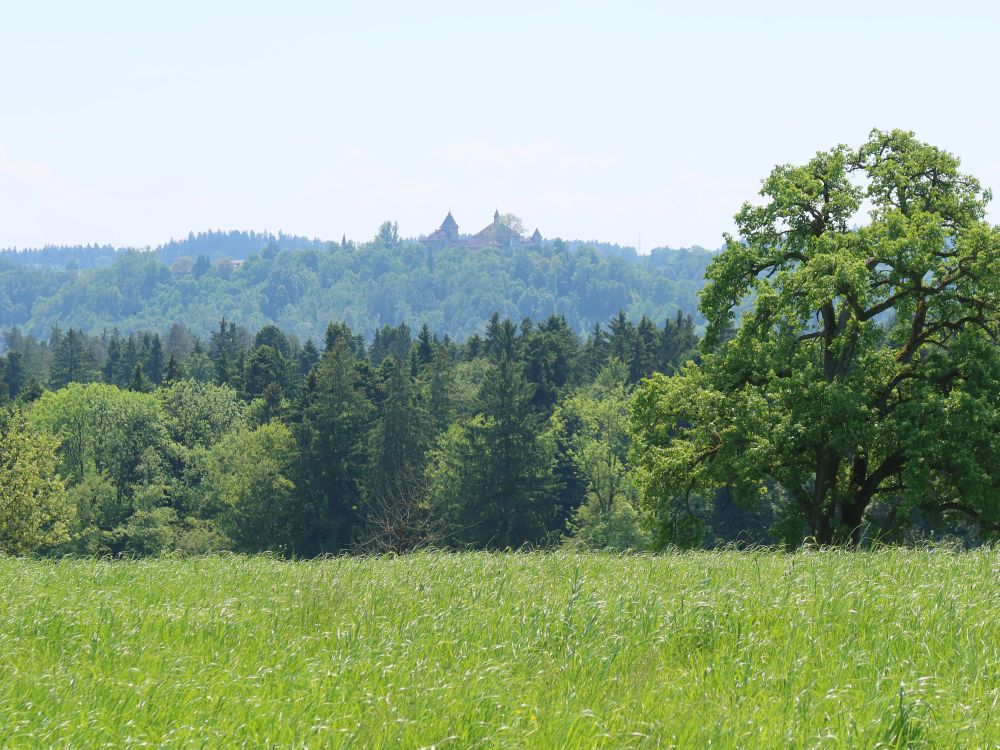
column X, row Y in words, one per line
column 450, row 227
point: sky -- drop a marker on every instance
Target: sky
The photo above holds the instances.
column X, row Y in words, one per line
column 642, row 123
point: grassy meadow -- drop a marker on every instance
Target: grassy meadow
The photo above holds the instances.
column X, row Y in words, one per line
column 897, row 648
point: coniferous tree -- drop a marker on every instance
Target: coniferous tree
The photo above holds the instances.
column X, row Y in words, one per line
column 173, row 372
column 642, row 362
column 440, row 384
column 139, row 382
column 550, row 354
column 129, row 359
column 337, row 331
column 265, row 367
column 225, row 351
column 620, row 343
column 390, row 341
column 152, row 363
column 473, row 347
column 596, row 352
column 73, row 362
column 331, row 452
column 307, row 357
column 113, row 361
column 14, row 374
column 501, row 338
column 273, row 337
column 272, row 404
column 402, row 432
column 201, row 266
column 492, row 475
column 678, row 341
column 425, row 346
column 55, row 338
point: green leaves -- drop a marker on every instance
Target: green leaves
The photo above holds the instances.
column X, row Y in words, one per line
column 249, row 487
column 34, row 510
column 842, row 382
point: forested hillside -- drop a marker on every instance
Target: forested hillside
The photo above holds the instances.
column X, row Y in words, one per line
column 213, row 244
column 300, row 285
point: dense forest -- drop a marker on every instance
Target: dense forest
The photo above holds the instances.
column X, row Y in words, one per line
column 300, row 285
column 137, row 444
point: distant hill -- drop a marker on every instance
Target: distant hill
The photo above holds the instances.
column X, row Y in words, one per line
column 213, row 244
column 216, row 245
column 301, row 284
column 61, row 256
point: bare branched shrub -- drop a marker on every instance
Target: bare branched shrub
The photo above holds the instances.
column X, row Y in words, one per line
column 398, row 519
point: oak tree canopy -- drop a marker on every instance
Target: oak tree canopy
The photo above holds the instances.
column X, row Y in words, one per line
column 860, row 390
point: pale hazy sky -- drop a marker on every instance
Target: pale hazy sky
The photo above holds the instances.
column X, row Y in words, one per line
column 132, row 122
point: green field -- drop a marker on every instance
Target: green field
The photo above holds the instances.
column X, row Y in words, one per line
column 814, row 649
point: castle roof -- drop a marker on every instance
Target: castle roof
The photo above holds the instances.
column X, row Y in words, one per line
column 496, row 234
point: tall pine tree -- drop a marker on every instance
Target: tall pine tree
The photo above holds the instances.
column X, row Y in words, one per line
column 492, row 475
column 332, row 457
column 73, row 362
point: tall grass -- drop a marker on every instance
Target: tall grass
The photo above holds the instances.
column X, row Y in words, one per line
column 815, row 649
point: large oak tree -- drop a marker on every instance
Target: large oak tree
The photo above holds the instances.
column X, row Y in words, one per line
column 863, row 380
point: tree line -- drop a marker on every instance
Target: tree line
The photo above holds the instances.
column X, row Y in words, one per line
column 138, row 444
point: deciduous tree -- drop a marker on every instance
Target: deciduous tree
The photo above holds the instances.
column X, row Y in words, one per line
column 863, row 381
column 34, row 510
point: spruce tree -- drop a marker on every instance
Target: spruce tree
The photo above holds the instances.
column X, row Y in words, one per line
column 139, row 382
column 307, row 357
column 492, row 475
column 642, row 362
column 14, row 374
column 440, row 384
column 130, row 358
column 265, row 367
column 332, row 459
column 173, row 372
column 113, row 362
column 425, row 346
column 73, row 362
column 402, row 432
column 152, row 363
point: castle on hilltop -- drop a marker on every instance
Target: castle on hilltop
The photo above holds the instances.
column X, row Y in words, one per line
column 496, row 234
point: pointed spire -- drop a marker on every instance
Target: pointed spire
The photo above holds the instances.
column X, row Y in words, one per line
column 496, row 216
